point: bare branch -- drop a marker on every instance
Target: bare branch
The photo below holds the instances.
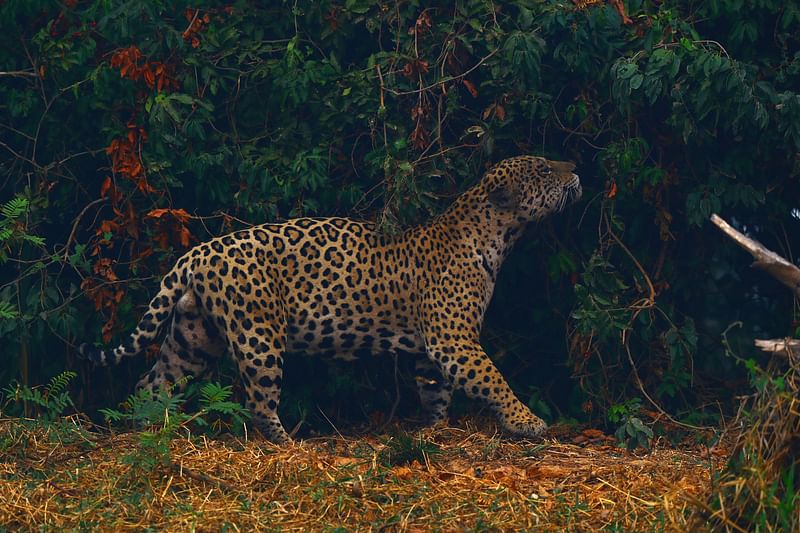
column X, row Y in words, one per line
column 75, row 225
column 19, row 74
column 782, row 347
column 765, row 259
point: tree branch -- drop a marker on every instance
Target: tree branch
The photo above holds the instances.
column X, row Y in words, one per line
column 782, row 347
column 765, row 259
column 18, row 74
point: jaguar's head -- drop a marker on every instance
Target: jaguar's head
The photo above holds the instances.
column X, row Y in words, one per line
column 530, row 187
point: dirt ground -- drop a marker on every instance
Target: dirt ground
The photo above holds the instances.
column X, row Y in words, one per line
column 443, row 479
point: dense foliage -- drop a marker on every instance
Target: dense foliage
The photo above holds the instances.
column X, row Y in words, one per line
column 130, row 131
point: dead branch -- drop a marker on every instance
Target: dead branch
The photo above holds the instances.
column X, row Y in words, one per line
column 782, row 347
column 19, row 74
column 765, row 259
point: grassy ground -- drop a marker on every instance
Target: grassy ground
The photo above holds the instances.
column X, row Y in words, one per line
column 444, row 479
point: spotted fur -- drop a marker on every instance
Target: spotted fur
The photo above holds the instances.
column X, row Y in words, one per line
column 338, row 287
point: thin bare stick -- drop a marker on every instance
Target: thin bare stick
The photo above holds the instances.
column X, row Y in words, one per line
column 199, row 476
column 651, row 299
column 331, row 423
column 650, row 399
column 191, row 22
column 75, row 224
column 18, row 74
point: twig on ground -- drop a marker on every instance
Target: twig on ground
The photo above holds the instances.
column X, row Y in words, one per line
column 197, row 476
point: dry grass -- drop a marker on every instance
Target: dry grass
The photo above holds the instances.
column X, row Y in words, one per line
column 473, row 481
column 760, row 489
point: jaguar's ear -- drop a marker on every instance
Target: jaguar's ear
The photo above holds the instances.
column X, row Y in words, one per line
column 504, row 197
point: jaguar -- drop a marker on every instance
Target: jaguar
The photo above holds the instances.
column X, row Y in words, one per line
column 341, row 288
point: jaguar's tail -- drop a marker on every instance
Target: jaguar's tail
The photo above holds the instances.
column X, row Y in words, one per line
column 173, row 286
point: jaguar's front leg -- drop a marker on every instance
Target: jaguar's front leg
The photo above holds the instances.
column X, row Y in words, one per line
column 451, row 316
column 470, row 369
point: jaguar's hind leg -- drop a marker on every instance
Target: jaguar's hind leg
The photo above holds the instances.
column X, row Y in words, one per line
column 257, row 343
column 192, row 343
column 435, row 390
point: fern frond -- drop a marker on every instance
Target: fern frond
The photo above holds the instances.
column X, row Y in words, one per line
column 8, row 311
column 10, row 392
column 112, row 415
column 14, row 208
column 213, row 392
column 60, row 382
column 34, row 239
column 22, row 393
column 57, row 404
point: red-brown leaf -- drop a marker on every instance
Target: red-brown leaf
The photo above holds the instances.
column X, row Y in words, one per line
column 470, row 87
column 620, row 7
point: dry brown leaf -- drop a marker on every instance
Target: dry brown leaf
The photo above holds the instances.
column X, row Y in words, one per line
column 402, row 472
column 620, row 7
column 593, row 433
column 547, row 471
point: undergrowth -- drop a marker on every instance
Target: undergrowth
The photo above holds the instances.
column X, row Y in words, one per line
column 162, row 417
column 631, row 431
column 157, row 419
column 47, row 402
column 758, row 491
column 403, row 448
